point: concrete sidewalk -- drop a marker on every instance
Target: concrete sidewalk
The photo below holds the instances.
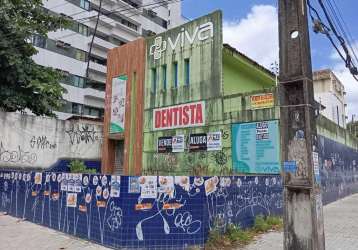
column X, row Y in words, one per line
column 18, row 235
column 340, row 224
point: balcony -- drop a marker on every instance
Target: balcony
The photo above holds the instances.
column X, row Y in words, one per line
column 98, row 42
column 91, row 92
column 97, row 67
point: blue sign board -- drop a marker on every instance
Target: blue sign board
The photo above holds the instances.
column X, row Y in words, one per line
column 290, row 167
column 256, row 147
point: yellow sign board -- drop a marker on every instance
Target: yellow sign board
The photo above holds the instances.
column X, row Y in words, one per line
column 262, row 101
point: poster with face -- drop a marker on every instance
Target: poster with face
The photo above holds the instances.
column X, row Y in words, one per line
column 115, row 186
column 148, row 185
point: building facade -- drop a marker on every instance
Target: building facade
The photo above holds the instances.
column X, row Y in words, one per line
column 67, row 50
column 181, row 102
column 329, row 92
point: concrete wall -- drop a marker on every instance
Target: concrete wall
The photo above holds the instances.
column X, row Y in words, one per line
column 36, row 142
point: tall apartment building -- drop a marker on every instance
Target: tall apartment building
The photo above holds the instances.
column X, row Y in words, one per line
column 329, row 91
column 120, row 21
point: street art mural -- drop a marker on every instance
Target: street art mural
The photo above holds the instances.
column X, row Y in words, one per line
column 338, row 169
column 138, row 212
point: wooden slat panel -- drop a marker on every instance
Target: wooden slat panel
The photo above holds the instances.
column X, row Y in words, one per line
column 125, row 60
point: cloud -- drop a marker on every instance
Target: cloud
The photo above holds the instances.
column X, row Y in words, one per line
column 350, row 84
column 256, row 35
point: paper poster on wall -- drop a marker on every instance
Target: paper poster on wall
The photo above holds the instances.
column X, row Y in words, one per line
column 178, row 144
column 64, row 185
column 148, row 186
column 115, row 186
column 183, row 181
column 164, row 144
column 71, row 199
column 38, row 178
column 166, row 185
column 197, row 142
column 71, row 185
column 256, row 147
column 315, row 159
column 133, row 185
column 211, row 185
column 118, row 104
column 214, row 141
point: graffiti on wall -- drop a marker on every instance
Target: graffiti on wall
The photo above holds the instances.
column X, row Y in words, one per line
column 338, row 169
column 17, row 155
column 41, row 142
column 83, row 134
column 141, row 210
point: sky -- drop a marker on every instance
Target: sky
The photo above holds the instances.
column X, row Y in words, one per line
column 251, row 27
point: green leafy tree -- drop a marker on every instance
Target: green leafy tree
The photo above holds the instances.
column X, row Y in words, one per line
column 23, row 83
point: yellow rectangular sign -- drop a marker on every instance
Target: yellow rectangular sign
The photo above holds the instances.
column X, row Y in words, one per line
column 262, row 101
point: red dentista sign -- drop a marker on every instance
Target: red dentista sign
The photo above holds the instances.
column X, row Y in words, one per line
column 179, row 116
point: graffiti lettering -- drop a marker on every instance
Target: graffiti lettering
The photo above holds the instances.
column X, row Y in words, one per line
column 41, row 142
column 17, row 156
column 85, row 133
column 186, row 223
column 114, row 221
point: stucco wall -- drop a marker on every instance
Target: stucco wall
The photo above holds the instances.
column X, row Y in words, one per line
column 37, row 142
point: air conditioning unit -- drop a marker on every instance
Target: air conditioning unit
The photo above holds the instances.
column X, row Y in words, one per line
column 62, row 44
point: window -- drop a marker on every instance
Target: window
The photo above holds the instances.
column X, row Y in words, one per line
column 164, row 76
column 175, row 74
column 187, row 71
column 337, row 115
column 80, row 55
column 78, row 81
column 83, row 29
column 154, row 80
column 85, row 4
column 93, row 111
column 76, row 108
column 39, row 41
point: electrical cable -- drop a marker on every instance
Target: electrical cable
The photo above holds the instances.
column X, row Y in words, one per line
column 338, row 36
column 338, row 16
column 319, row 26
column 94, row 34
column 160, row 5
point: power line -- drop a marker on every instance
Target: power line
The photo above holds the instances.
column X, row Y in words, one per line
column 160, row 4
column 345, row 30
column 94, row 34
column 320, row 27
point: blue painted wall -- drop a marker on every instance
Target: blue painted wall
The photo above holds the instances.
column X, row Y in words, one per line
column 338, row 170
column 119, row 224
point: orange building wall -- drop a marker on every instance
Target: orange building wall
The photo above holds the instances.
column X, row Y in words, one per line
column 125, row 60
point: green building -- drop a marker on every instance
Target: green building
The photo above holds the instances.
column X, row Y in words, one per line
column 196, row 87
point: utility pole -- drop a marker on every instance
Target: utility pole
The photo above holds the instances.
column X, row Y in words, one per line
column 303, row 211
